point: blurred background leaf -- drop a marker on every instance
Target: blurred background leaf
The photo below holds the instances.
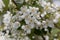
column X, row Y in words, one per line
column 6, row 2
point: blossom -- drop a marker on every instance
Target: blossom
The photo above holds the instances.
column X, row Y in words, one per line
column 46, row 37
column 26, row 28
column 50, row 23
column 16, row 25
column 25, row 38
column 7, row 18
column 29, row 19
column 43, row 14
column 56, row 39
column 57, row 16
column 2, row 38
column 23, row 9
column 33, row 9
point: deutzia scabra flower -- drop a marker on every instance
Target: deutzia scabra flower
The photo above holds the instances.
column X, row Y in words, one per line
column 16, row 25
column 33, row 9
column 57, row 16
column 29, row 19
column 46, row 37
column 7, row 18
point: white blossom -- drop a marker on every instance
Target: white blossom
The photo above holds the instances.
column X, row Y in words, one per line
column 16, row 25
column 27, row 29
column 7, row 18
column 46, row 37
column 33, row 9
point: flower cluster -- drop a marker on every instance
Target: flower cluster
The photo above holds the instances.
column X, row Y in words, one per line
column 29, row 20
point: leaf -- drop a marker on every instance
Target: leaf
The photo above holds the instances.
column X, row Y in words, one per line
column 40, row 32
column 31, row 35
column 55, row 31
column 6, row 2
column 57, row 25
column 49, row 29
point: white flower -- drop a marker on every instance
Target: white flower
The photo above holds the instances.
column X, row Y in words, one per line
column 26, row 38
column 55, row 20
column 57, row 16
column 28, row 19
column 14, row 18
column 33, row 9
column 2, row 38
column 7, row 18
column 36, row 15
column 1, row 5
column 44, row 24
column 46, row 37
column 43, row 14
column 16, row 25
column 1, row 33
column 26, row 0
column 26, row 28
column 23, row 9
column 32, row 18
column 6, row 38
column 37, row 22
column 56, row 39
column 50, row 23
column 43, row 3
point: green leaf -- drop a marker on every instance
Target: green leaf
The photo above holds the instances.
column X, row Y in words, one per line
column 55, row 31
column 31, row 35
column 49, row 29
column 6, row 2
column 40, row 32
